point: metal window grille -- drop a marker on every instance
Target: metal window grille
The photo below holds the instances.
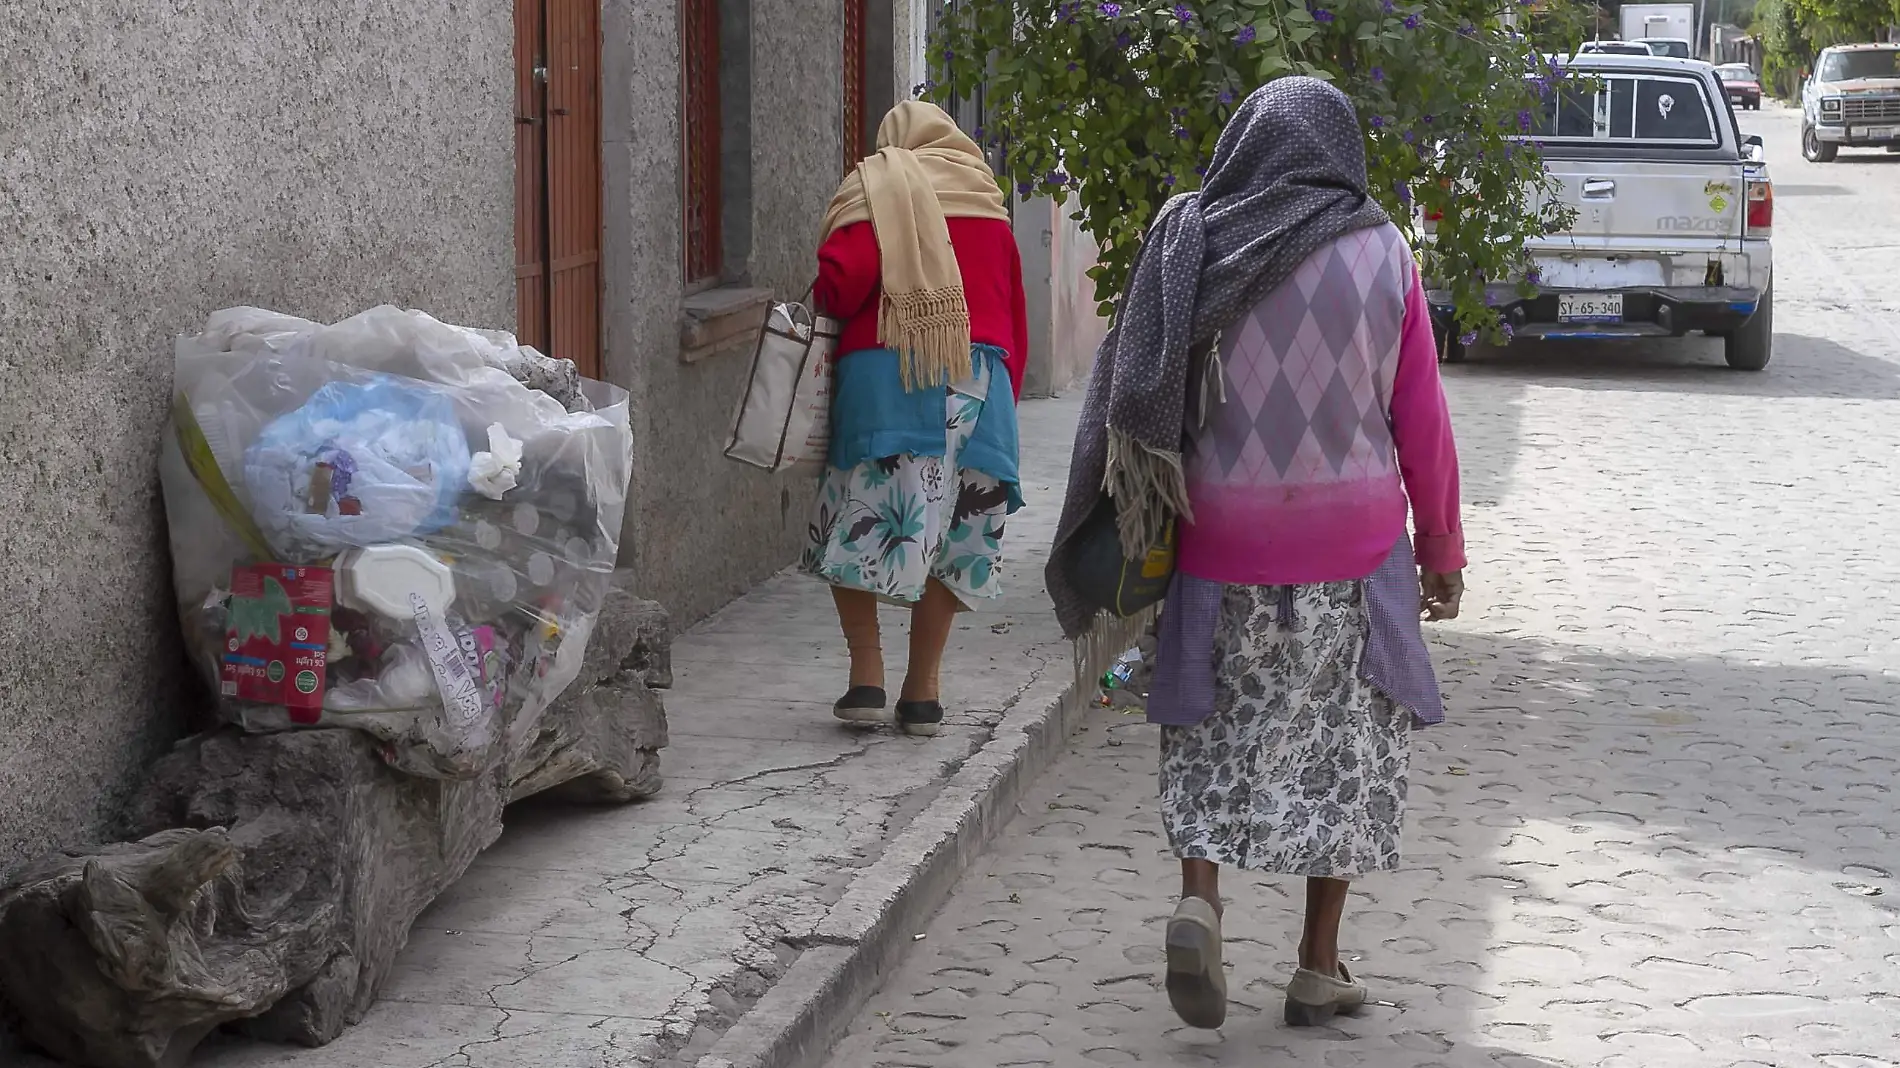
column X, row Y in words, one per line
column 699, row 96
column 856, row 144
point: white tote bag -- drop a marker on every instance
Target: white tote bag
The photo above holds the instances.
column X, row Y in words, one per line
column 785, row 417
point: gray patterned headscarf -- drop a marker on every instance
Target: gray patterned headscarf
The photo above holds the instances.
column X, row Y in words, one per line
column 1288, row 177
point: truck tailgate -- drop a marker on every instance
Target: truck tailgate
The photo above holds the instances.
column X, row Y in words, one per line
column 1642, row 222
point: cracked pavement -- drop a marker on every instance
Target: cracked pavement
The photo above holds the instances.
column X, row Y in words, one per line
column 1661, row 826
column 633, row 936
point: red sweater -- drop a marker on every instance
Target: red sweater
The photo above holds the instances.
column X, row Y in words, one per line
column 847, row 288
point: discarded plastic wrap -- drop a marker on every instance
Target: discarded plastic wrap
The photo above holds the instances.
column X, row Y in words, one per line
column 390, row 524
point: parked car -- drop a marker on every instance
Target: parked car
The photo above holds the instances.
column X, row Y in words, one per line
column 1614, row 48
column 1670, row 47
column 1741, row 84
column 1674, row 216
column 1851, row 101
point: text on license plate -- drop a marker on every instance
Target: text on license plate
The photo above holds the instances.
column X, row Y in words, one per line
column 1590, row 307
column 1877, row 133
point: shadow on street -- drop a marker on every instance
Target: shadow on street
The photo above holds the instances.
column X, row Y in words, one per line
column 1803, row 367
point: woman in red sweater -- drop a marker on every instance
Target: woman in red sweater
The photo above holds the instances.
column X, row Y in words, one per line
column 920, row 265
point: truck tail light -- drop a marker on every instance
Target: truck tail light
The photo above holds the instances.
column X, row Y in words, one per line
column 1761, row 208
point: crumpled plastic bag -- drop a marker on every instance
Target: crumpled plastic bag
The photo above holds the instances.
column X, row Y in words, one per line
column 360, row 463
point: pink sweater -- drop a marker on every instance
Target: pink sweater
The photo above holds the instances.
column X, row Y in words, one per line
column 1334, row 417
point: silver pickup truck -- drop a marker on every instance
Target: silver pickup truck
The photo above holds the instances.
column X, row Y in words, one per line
column 1674, row 213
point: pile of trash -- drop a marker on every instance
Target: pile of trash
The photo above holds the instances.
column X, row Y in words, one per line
column 391, row 524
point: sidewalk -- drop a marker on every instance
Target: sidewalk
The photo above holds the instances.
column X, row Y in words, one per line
column 787, row 858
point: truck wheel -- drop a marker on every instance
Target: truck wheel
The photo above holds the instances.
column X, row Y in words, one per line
column 1815, row 150
column 1749, row 346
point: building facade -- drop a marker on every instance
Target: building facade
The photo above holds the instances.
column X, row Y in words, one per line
column 624, row 183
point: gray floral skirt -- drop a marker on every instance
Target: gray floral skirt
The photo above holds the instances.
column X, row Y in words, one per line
column 1302, row 768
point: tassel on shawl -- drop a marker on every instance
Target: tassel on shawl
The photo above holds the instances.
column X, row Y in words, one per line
column 930, row 331
column 1149, row 487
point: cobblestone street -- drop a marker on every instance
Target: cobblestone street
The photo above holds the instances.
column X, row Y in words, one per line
column 1660, row 826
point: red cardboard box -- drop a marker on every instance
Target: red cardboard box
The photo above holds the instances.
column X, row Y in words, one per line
column 277, row 637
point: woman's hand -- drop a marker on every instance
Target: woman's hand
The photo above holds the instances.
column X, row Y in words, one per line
column 1439, row 594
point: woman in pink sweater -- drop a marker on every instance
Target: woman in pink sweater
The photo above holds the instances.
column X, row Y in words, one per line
column 1292, row 668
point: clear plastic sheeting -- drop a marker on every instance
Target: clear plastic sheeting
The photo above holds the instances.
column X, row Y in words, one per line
column 391, row 524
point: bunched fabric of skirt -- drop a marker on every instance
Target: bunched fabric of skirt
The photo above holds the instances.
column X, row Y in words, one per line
column 890, row 524
column 1302, row 768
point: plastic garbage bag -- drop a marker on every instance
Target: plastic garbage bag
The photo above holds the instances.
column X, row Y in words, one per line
column 382, row 525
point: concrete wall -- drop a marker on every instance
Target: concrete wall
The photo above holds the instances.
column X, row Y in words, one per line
column 160, row 160
column 1064, row 328
column 702, row 530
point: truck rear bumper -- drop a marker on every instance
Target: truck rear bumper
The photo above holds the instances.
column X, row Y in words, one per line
column 1663, row 311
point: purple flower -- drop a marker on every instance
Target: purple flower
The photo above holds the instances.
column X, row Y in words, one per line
column 1023, row 189
column 1389, row 6
column 1183, row 14
column 1534, row 276
column 1245, row 36
column 1168, row 180
column 1123, row 40
column 1201, row 169
column 1412, row 22
column 1226, row 96
column 1075, row 66
column 1404, row 191
column 1378, row 122
column 1467, row 30
column 1523, row 120
column 1378, row 74
column 1409, row 136
column 1182, row 132
column 1428, row 120
column 1468, row 338
column 1057, row 178
column 1109, row 9
column 1322, row 15
column 949, row 56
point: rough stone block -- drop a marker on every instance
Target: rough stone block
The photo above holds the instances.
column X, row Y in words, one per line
column 630, row 634
column 280, row 873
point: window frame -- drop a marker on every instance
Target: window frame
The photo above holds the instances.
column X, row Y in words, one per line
column 702, row 194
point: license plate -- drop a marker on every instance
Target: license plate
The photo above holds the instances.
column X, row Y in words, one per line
column 1590, row 307
column 1877, row 133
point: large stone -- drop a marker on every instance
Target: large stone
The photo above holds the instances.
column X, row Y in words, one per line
column 280, row 873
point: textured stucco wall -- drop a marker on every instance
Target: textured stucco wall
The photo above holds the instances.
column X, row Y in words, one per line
column 702, row 530
column 158, row 160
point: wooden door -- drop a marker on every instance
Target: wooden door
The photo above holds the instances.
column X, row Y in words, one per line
column 557, row 179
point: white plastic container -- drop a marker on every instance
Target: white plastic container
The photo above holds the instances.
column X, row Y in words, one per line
column 383, row 578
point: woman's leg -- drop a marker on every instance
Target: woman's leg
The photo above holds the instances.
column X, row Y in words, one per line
column 1325, row 906
column 1201, row 878
column 930, row 621
column 857, row 615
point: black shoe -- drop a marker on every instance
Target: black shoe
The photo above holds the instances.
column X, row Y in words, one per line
column 862, row 704
column 924, row 718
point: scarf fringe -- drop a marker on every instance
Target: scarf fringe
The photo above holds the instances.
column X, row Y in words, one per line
column 930, row 331
column 1149, row 487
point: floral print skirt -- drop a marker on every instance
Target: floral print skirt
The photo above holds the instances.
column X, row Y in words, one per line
column 889, row 525
column 1302, row 768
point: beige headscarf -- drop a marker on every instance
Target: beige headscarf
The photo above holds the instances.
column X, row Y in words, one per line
column 925, row 170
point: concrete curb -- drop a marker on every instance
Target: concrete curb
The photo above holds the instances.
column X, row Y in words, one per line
column 868, row 931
